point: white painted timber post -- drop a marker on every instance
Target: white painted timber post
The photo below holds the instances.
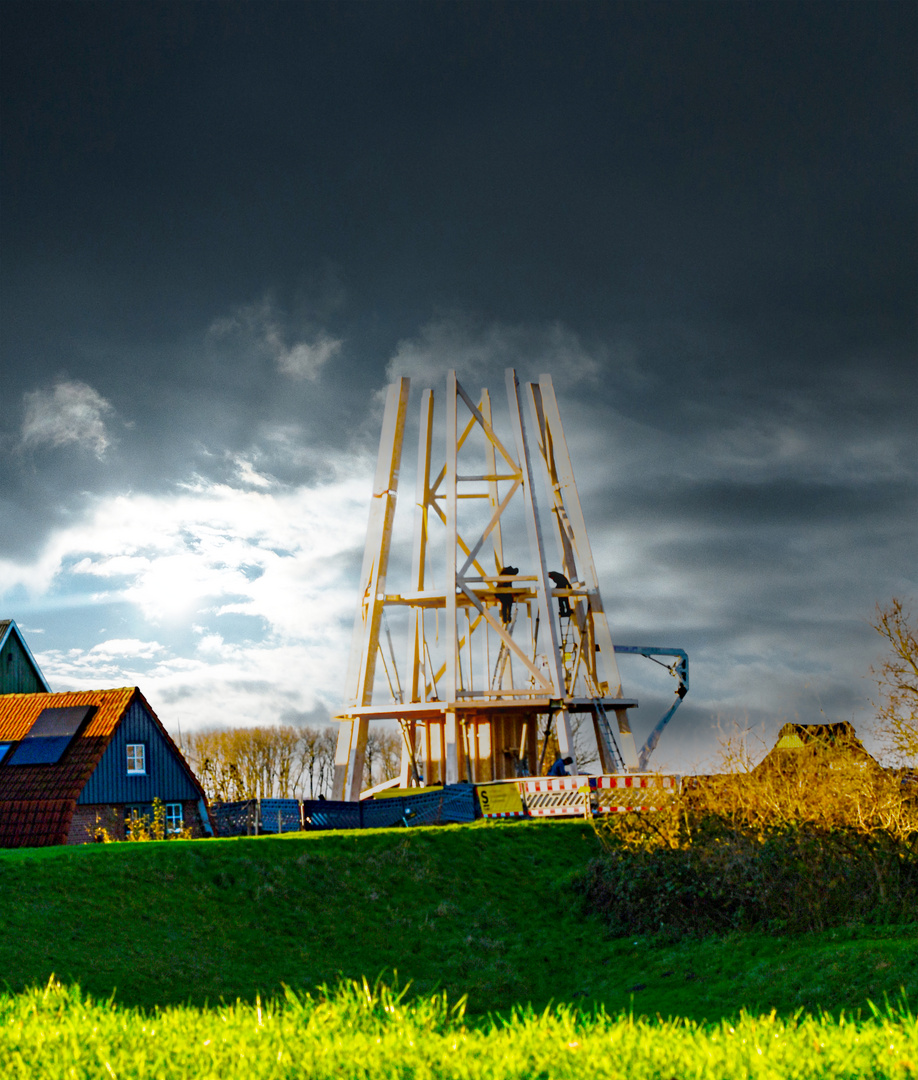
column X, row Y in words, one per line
column 451, row 734
column 611, row 684
column 451, row 686
column 543, row 587
column 352, row 737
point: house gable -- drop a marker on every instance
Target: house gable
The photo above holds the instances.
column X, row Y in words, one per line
column 19, row 673
column 38, row 801
column 165, row 775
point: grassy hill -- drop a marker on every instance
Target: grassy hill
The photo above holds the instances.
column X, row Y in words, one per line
column 489, row 911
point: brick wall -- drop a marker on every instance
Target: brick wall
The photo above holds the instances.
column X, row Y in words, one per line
column 192, row 818
column 89, row 818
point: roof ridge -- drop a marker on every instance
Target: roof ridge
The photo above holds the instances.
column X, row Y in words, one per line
column 62, row 693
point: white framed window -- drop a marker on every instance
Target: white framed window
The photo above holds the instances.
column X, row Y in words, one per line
column 136, row 758
column 174, row 822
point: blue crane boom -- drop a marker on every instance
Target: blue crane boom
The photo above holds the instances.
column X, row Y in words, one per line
column 679, row 670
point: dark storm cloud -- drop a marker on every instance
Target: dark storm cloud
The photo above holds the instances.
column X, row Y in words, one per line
column 226, row 225
column 741, row 505
column 632, row 151
column 316, row 717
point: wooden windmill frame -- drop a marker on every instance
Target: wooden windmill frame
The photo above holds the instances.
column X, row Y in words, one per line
column 476, row 688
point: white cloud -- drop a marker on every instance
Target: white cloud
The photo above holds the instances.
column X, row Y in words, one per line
column 305, row 361
column 219, row 683
column 70, row 412
column 247, row 473
column 239, row 597
column 167, row 554
column 482, row 351
column 258, row 329
column 186, row 568
column 132, row 647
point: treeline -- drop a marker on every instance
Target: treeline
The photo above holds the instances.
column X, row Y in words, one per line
column 280, row 761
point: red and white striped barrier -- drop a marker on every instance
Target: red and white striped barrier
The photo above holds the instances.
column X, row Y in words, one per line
column 555, row 796
column 575, row 796
column 610, row 797
column 644, row 780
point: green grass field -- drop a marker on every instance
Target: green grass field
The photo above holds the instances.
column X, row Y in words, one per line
column 369, row 1032
column 485, row 914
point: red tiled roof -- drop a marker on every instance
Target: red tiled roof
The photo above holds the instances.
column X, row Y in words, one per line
column 37, row 803
column 35, row 822
column 18, row 712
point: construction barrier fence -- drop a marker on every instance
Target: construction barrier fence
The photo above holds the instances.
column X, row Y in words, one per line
column 621, row 794
column 576, row 796
column 536, row 796
column 454, row 803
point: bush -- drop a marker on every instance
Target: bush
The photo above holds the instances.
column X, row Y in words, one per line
column 809, row 839
column 141, row 829
column 792, row 878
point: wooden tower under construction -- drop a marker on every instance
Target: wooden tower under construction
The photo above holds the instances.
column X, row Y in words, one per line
column 505, row 627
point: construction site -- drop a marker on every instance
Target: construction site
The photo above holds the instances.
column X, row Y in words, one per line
column 488, row 644
column 492, row 641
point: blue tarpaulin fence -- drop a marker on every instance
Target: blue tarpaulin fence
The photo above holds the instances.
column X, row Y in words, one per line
column 455, row 803
column 235, row 818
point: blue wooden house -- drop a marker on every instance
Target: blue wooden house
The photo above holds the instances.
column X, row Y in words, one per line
column 19, row 673
column 75, row 764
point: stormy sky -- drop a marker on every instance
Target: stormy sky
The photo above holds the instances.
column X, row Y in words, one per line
column 226, row 226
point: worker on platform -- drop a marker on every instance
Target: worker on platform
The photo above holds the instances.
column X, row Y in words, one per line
column 504, row 594
column 561, row 582
column 560, row 766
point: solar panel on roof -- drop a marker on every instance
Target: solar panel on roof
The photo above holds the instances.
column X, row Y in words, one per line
column 64, row 721
column 50, row 735
column 40, row 751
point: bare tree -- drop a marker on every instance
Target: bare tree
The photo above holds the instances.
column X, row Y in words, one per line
column 318, row 757
column 383, row 756
column 281, row 761
column 897, row 681
column 212, row 757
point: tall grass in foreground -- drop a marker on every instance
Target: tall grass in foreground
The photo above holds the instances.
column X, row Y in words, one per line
column 363, row 1031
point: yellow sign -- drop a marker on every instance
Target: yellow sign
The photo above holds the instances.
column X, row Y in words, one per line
column 401, row 792
column 500, row 799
